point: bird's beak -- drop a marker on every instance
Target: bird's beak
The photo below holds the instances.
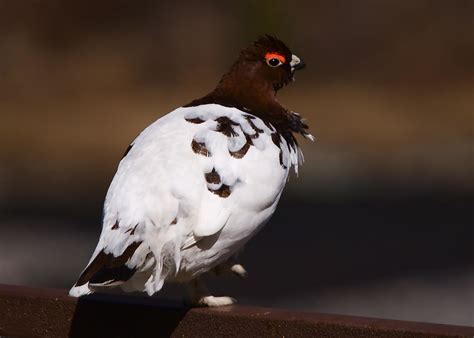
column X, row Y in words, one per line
column 296, row 63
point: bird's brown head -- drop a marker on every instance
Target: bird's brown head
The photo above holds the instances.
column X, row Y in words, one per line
column 261, row 69
column 267, row 62
column 251, row 84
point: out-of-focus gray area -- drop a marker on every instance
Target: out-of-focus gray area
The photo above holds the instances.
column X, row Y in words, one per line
column 378, row 223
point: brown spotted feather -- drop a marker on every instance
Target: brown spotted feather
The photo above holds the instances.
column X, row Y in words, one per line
column 200, row 148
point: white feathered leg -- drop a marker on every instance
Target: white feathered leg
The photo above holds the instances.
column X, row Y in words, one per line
column 232, row 266
column 200, row 296
column 239, row 270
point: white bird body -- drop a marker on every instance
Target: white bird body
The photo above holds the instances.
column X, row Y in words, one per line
column 199, row 182
column 161, row 197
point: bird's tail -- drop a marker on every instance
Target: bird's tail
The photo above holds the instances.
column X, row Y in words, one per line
column 105, row 270
column 78, row 291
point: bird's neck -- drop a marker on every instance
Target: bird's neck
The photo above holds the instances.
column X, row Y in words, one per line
column 244, row 93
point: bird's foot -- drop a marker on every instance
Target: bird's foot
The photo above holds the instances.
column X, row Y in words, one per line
column 200, row 296
column 232, row 266
column 239, row 271
column 214, row 301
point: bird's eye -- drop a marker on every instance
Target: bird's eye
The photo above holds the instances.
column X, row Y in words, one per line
column 274, row 59
column 273, row 62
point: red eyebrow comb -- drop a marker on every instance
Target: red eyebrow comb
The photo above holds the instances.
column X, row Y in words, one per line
column 280, row 57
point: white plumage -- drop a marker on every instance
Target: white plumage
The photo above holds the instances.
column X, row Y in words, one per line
column 195, row 186
column 198, row 183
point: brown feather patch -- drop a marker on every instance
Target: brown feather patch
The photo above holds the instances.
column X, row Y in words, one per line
column 280, row 157
column 257, row 130
column 242, row 151
column 200, row 148
column 276, row 138
column 225, row 126
column 223, row 191
column 213, row 177
column 115, row 226
column 107, row 267
column 268, row 124
column 132, row 230
column 196, row 120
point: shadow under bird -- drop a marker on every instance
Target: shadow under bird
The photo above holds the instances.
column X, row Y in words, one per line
column 199, row 182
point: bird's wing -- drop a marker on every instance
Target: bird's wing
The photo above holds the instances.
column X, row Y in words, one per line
column 149, row 203
column 213, row 216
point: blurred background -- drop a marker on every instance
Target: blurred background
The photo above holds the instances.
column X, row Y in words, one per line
column 379, row 222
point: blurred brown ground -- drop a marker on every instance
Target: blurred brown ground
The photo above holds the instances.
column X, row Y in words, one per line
column 388, row 92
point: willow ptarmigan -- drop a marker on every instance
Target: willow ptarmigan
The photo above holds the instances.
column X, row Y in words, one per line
column 199, row 182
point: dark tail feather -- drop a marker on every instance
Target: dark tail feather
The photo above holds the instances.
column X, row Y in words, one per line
column 107, row 269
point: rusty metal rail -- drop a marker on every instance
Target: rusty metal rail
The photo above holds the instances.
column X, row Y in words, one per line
column 51, row 313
